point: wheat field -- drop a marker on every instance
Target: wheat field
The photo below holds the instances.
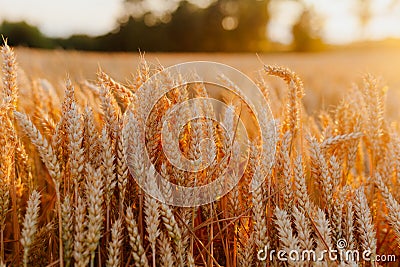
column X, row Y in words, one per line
column 70, row 164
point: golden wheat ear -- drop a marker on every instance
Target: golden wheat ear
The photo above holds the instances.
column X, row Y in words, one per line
column 135, row 241
column 115, row 246
column 10, row 88
column 392, row 204
column 365, row 227
column 30, row 225
column 287, row 240
column 121, row 91
column 92, row 212
column 80, row 253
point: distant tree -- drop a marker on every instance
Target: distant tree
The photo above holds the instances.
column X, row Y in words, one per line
column 307, row 31
column 81, row 42
column 134, row 35
column 364, row 13
column 225, row 25
column 21, row 33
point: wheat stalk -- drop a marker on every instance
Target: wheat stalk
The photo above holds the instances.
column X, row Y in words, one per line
column 167, row 257
column 30, row 225
column 76, row 158
column 67, row 229
column 392, row 204
column 324, row 233
column 275, row 206
column 94, row 199
column 151, row 211
column 260, row 224
column 45, row 150
column 81, row 254
column 124, row 93
column 303, row 229
column 115, row 246
column 301, row 193
column 9, row 92
column 364, row 222
column 292, row 119
column 108, row 173
column 289, row 242
column 50, row 160
column 138, row 253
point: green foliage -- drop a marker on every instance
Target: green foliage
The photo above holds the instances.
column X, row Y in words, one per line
column 225, row 26
column 194, row 29
column 306, row 32
column 21, row 33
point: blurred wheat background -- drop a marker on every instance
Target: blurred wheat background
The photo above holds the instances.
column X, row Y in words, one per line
column 68, row 199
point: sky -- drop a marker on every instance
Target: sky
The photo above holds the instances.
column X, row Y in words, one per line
column 339, row 20
column 64, row 17
column 61, row 18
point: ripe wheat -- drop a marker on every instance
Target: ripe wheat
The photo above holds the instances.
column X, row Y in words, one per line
column 319, row 180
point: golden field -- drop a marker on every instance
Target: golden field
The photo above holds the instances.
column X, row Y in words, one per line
column 328, row 167
column 326, row 75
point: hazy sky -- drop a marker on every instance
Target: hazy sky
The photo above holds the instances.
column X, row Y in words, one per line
column 63, row 18
column 340, row 23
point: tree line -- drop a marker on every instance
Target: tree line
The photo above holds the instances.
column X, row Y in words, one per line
column 225, row 25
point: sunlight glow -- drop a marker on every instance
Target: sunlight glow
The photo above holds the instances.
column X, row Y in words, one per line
column 340, row 22
column 230, row 23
